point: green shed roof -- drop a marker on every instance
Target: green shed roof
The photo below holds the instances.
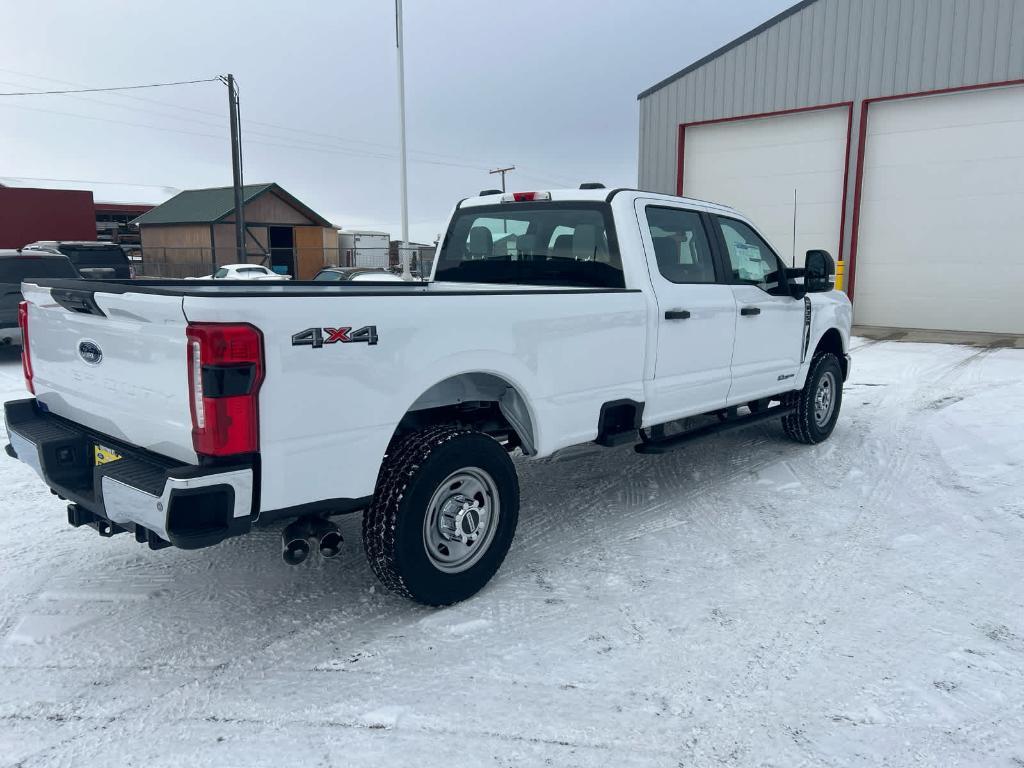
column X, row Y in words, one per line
column 208, row 206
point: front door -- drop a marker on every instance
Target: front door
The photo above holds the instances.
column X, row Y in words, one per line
column 769, row 322
column 696, row 314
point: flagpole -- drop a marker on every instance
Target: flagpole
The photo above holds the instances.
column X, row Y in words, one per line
column 403, row 247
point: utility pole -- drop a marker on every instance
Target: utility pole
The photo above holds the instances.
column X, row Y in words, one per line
column 502, row 171
column 403, row 247
column 236, row 169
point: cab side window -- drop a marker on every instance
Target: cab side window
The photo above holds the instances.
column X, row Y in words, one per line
column 750, row 258
column 680, row 245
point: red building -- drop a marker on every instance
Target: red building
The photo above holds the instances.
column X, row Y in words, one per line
column 27, row 215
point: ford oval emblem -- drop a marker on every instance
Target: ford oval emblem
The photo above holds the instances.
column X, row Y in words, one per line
column 90, row 352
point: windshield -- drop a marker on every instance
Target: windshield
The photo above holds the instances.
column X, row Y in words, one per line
column 562, row 244
column 24, row 267
column 94, row 257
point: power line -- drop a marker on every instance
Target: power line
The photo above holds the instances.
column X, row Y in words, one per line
column 165, row 114
column 383, row 151
column 114, row 88
column 317, row 148
column 249, row 122
column 165, row 187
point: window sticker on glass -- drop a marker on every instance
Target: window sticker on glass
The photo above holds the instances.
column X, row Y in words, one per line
column 748, row 262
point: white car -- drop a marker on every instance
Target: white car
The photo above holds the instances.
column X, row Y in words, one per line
column 356, row 275
column 187, row 414
column 245, row 272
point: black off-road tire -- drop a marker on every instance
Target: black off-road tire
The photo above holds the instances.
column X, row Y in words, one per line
column 800, row 425
column 415, row 465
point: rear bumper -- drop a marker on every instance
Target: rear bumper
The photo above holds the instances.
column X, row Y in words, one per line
column 161, row 500
column 10, row 334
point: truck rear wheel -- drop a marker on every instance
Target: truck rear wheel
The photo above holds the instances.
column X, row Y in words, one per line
column 443, row 514
column 818, row 403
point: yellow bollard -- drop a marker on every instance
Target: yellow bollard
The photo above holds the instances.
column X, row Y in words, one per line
column 840, row 270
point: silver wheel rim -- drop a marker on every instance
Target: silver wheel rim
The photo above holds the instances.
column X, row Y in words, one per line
column 461, row 520
column 825, row 399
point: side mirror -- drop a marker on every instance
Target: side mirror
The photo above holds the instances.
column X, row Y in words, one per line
column 819, row 271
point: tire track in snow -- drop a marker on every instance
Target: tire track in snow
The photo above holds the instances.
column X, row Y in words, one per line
column 792, row 641
column 793, row 636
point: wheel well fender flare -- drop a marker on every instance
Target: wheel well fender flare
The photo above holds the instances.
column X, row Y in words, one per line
column 486, row 386
column 832, row 341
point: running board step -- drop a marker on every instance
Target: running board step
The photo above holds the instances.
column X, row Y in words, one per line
column 678, row 441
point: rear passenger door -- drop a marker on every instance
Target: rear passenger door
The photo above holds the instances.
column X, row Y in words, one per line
column 696, row 313
column 769, row 322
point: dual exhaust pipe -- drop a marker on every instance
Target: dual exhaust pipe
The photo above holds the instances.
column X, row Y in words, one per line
column 298, row 538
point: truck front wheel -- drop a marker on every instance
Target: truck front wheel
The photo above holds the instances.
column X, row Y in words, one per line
column 817, row 404
column 443, row 514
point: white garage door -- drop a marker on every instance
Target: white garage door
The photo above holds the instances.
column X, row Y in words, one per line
column 941, row 241
column 755, row 165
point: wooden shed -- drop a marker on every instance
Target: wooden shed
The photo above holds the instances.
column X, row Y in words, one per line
column 193, row 233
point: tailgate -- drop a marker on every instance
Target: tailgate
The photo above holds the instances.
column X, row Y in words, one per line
column 116, row 364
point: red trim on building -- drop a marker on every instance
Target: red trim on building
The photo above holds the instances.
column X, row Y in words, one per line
column 858, row 183
column 680, row 154
column 681, row 147
column 851, row 266
column 846, row 181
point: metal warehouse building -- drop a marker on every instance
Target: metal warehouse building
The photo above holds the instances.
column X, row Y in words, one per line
column 897, row 126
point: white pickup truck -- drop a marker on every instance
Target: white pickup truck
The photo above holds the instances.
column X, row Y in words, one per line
column 187, row 412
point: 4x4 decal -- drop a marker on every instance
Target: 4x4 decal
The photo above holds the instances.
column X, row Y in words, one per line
column 317, row 337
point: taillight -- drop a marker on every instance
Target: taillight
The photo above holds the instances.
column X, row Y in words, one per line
column 225, row 370
column 525, row 197
column 26, row 355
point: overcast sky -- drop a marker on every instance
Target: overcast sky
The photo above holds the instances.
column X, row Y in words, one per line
column 546, row 85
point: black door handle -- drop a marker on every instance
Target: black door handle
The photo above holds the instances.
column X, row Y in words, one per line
column 750, row 311
column 677, row 314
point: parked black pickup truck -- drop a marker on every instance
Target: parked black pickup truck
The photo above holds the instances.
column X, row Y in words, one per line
column 15, row 267
column 93, row 260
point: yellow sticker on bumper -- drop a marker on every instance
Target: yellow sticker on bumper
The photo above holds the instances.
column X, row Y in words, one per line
column 103, row 455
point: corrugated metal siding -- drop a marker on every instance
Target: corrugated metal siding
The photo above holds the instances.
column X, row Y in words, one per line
column 832, row 51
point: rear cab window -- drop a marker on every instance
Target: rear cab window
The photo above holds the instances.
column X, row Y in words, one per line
column 566, row 244
column 95, row 257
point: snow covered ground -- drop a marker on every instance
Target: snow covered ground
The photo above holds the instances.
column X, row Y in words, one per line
column 745, row 602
